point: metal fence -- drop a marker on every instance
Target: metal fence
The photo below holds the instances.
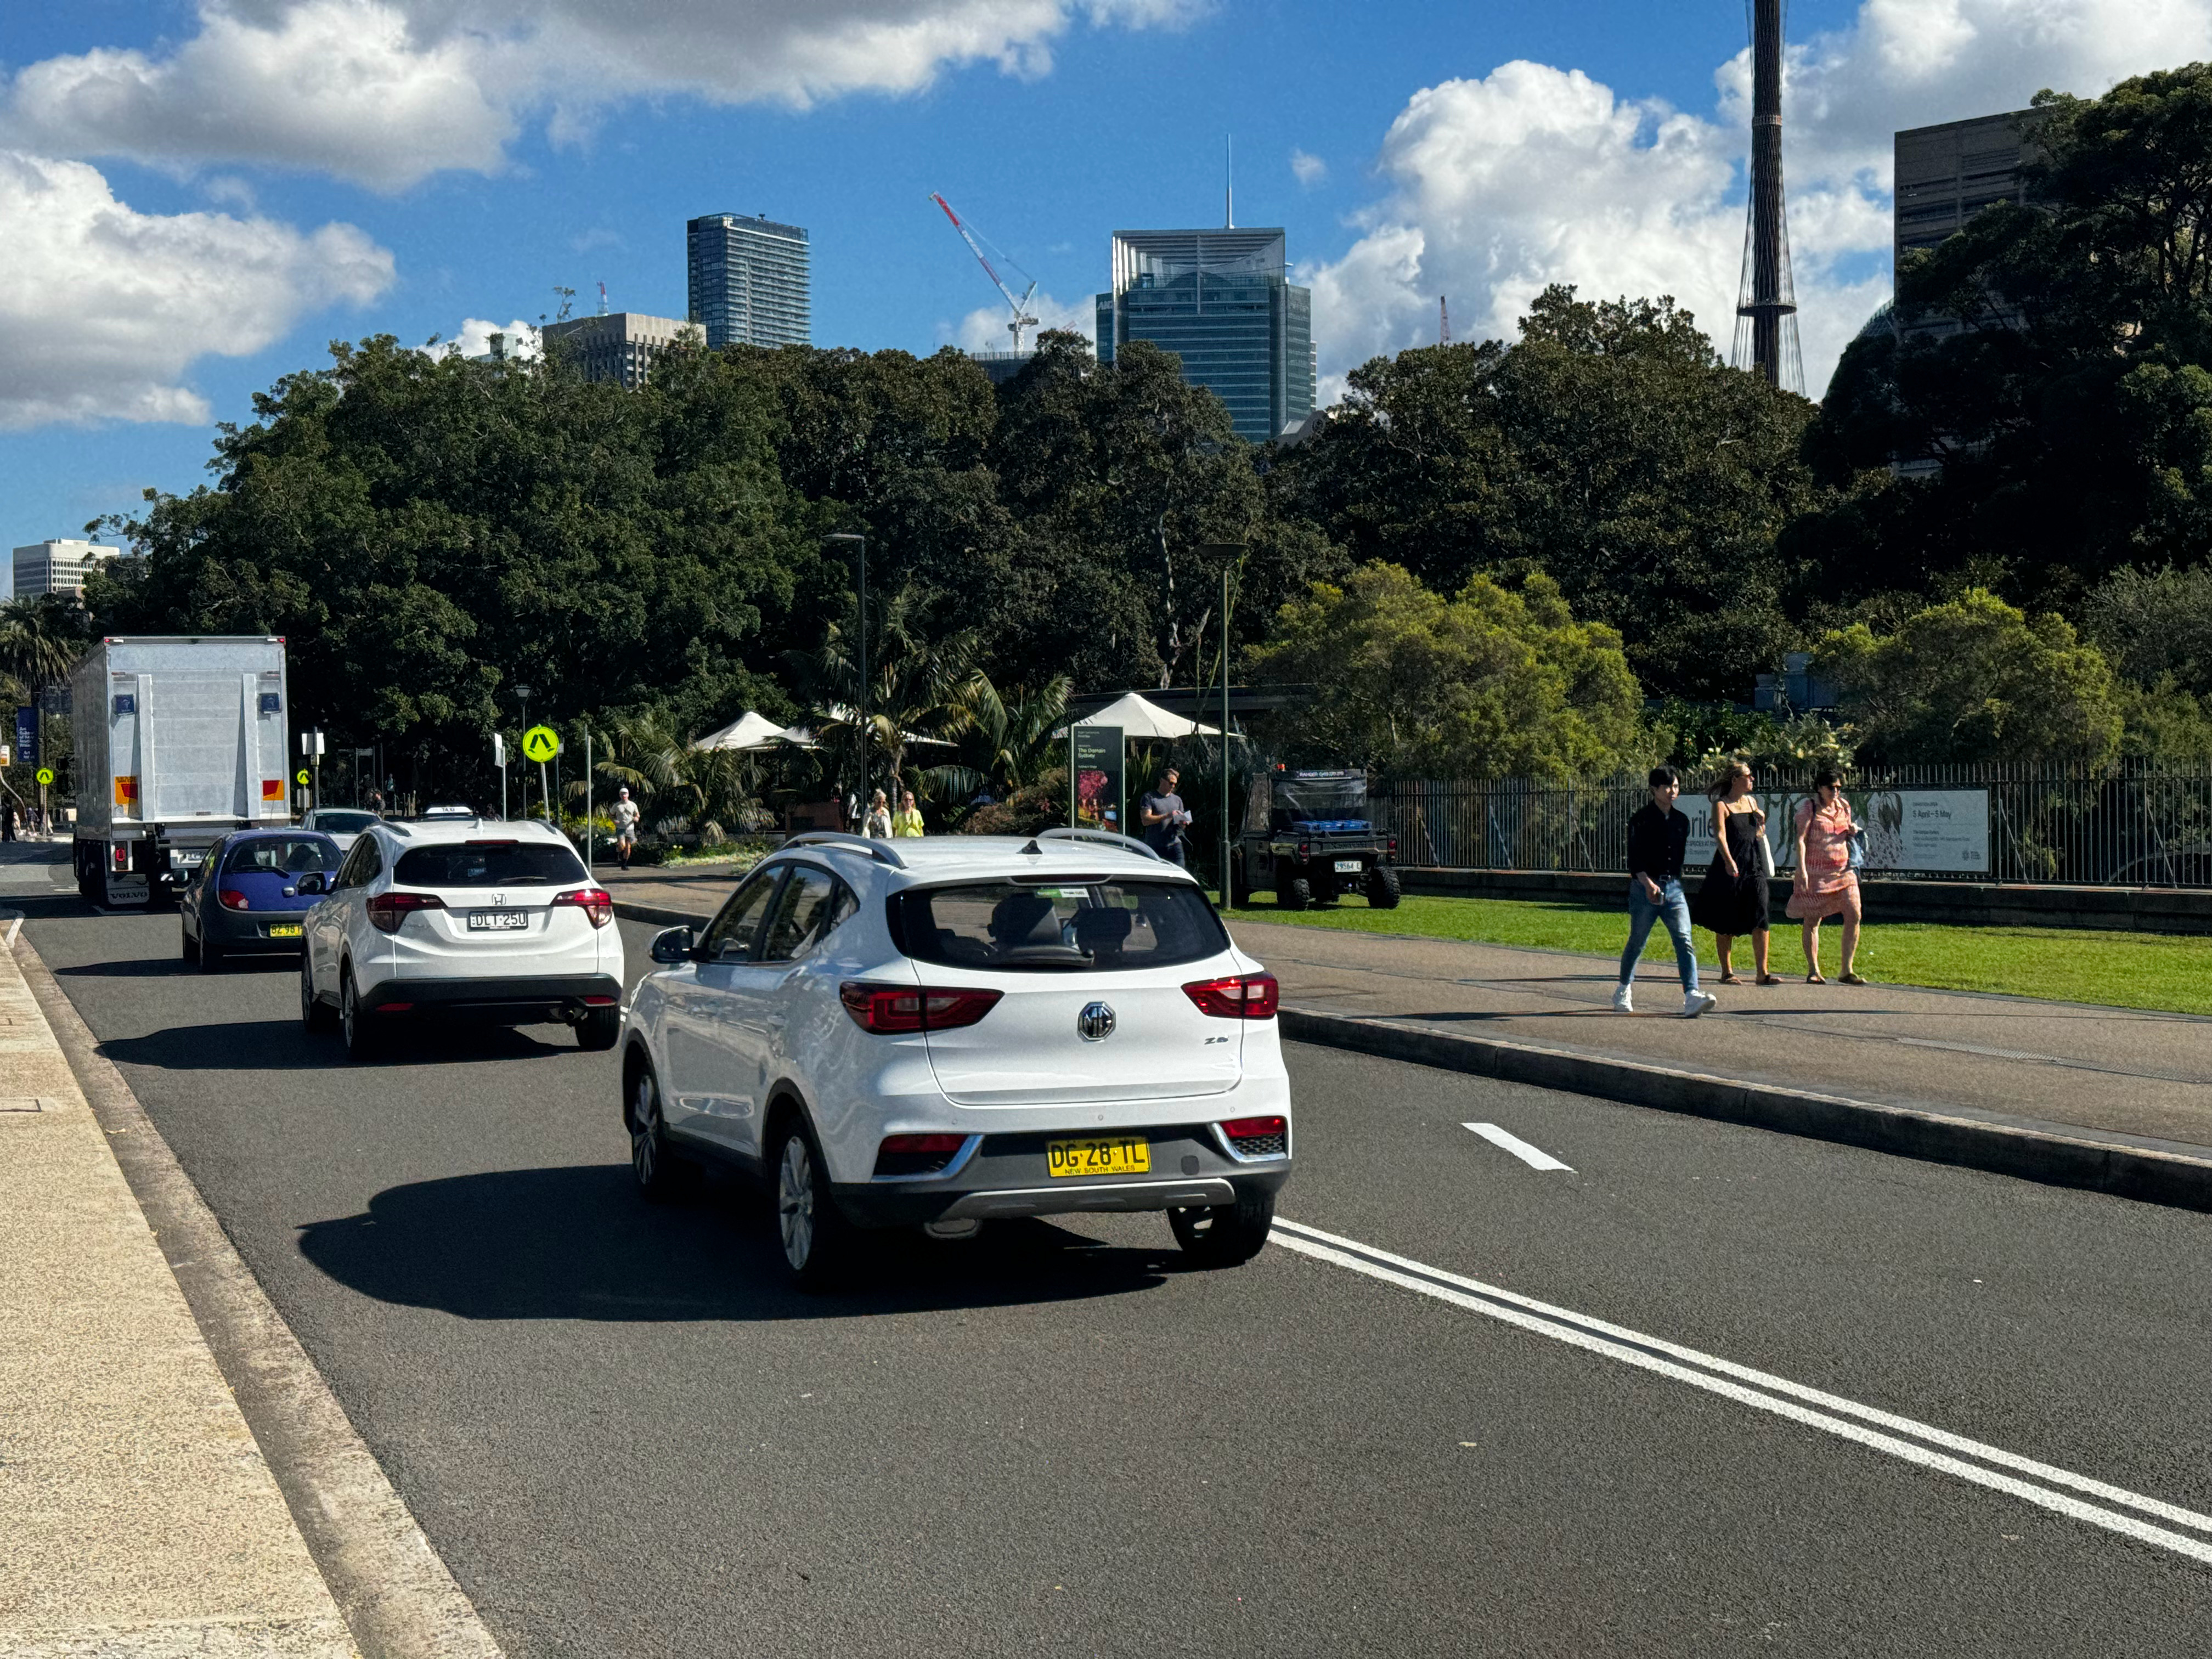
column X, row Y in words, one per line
column 2132, row 827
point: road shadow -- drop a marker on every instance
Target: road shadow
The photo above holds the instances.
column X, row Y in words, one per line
column 580, row 1242
column 279, row 1045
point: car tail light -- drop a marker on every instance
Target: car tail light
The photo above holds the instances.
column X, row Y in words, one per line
column 892, row 1010
column 917, row 1155
column 1393, row 846
column 1258, row 1136
column 595, row 902
column 394, row 1008
column 121, row 854
column 232, row 899
column 387, row 910
column 601, row 1002
column 1240, row 996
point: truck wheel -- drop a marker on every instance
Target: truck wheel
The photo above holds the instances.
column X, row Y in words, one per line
column 1382, row 888
column 1240, row 889
column 1295, row 894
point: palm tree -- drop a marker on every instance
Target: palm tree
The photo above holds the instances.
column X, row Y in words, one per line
column 914, row 689
column 712, row 791
column 41, row 637
column 1002, row 742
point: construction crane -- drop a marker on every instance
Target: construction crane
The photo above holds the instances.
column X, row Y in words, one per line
column 1023, row 317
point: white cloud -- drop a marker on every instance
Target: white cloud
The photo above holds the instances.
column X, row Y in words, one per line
column 1535, row 174
column 1310, row 170
column 985, row 329
column 474, row 339
column 387, row 92
column 103, row 309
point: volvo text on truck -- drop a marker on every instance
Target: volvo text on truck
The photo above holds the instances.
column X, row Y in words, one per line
column 178, row 742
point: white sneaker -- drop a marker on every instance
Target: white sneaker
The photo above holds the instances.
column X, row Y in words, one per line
column 1696, row 1002
column 1624, row 999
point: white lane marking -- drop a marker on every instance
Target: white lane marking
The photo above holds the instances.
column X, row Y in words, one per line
column 15, row 926
column 1671, row 1360
column 1534, row 1156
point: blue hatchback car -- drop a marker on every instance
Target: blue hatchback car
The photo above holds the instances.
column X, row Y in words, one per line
column 245, row 896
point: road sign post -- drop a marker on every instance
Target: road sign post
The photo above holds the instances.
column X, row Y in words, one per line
column 541, row 743
column 45, row 820
column 499, row 761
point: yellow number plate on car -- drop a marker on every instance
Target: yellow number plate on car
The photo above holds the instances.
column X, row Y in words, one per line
column 283, row 930
column 1097, row 1157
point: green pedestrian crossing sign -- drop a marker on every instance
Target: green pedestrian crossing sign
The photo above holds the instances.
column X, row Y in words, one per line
column 541, row 743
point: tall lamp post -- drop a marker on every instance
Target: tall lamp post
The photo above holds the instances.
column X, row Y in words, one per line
column 861, row 713
column 522, row 694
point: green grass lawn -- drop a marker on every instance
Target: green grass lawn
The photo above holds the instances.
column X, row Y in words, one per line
column 2068, row 965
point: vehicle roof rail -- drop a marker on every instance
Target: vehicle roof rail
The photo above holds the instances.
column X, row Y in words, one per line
column 1104, row 837
column 837, row 840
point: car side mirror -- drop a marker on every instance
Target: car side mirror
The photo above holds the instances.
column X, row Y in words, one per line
column 312, row 883
column 673, row 944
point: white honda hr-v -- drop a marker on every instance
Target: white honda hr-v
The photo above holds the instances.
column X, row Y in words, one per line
column 479, row 919
column 942, row 1031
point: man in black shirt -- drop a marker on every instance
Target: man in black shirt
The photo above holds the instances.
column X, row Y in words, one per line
column 1657, row 836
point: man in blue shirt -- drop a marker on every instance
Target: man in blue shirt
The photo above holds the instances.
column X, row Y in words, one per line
column 1658, row 837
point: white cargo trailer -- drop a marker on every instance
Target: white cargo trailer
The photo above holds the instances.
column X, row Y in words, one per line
column 178, row 742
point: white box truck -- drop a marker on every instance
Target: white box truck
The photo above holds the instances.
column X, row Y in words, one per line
column 178, row 742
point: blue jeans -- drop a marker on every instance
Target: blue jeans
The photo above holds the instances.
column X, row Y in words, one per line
column 1673, row 909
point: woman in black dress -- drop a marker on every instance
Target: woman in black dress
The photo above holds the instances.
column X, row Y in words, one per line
column 1733, row 900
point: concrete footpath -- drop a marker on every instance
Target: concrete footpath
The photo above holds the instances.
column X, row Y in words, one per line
column 2112, row 1098
column 137, row 1516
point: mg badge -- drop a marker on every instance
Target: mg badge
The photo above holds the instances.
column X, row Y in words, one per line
column 1096, row 1023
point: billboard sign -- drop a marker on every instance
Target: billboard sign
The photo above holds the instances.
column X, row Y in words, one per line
column 1911, row 831
column 1096, row 758
column 27, row 736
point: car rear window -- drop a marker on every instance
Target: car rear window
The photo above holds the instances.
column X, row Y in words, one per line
column 344, row 823
column 1030, row 928
column 489, row 863
column 283, row 855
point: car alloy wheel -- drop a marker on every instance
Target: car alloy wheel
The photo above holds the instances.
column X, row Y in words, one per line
column 794, row 1203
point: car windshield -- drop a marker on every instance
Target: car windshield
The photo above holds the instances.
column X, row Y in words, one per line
column 489, row 863
column 1034, row 928
column 282, row 855
column 344, row 823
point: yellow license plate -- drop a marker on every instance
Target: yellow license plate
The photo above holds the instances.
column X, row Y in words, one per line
column 1097, row 1157
column 283, row 930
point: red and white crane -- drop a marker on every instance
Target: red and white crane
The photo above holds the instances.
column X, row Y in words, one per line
column 1023, row 317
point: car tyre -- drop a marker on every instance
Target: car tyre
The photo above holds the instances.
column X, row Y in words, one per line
column 316, row 1016
column 1296, row 894
column 662, row 1175
column 817, row 1241
column 209, row 955
column 600, row 1029
column 1225, row 1236
column 192, row 946
column 1382, row 891
column 362, row 1037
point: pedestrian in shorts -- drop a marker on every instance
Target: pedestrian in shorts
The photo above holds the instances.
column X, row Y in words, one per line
column 625, row 816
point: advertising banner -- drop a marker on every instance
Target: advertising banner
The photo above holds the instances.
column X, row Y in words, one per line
column 27, row 736
column 1909, row 831
column 1097, row 771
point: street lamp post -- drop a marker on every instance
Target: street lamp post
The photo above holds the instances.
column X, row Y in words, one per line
column 861, row 713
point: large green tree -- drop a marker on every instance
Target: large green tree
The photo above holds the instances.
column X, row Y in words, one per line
column 1609, row 448
column 2067, row 431
column 1493, row 683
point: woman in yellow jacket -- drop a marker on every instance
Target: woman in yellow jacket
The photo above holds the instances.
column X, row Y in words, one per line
column 907, row 821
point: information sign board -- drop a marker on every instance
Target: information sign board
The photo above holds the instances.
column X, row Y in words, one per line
column 1909, row 831
column 1097, row 769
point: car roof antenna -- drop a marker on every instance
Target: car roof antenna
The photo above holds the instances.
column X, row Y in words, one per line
column 1031, row 848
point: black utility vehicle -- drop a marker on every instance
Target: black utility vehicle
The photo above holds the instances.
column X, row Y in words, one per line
column 1307, row 835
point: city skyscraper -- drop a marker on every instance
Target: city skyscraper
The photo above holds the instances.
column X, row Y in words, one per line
column 58, row 566
column 750, row 281
column 1221, row 301
column 618, row 345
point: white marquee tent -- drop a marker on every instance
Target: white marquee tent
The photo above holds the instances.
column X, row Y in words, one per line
column 1141, row 718
column 748, row 730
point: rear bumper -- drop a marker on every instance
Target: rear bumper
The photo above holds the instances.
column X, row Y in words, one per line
column 241, row 931
column 522, row 1000
column 1008, row 1175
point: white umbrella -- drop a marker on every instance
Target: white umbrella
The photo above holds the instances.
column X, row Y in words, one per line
column 748, row 730
column 1139, row 717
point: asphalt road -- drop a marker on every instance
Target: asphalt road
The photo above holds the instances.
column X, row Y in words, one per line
column 627, row 1437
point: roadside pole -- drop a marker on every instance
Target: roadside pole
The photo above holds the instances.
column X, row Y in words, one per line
column 1226, row 843
column 499, row 760
column 587, row 800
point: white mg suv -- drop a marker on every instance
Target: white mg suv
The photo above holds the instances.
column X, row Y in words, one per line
column 942, row 1031
column 490, row 919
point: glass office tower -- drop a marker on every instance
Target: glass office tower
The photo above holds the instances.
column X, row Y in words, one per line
column 1223, row 302
column 749, row 281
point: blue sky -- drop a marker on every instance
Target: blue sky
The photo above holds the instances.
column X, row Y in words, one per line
column 1610, row 159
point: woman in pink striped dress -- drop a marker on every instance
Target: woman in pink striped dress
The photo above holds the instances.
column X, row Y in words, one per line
column 1825, row 885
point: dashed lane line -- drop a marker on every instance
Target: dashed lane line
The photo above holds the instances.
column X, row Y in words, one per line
column 1534, row 1156
column 2061, row 1490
